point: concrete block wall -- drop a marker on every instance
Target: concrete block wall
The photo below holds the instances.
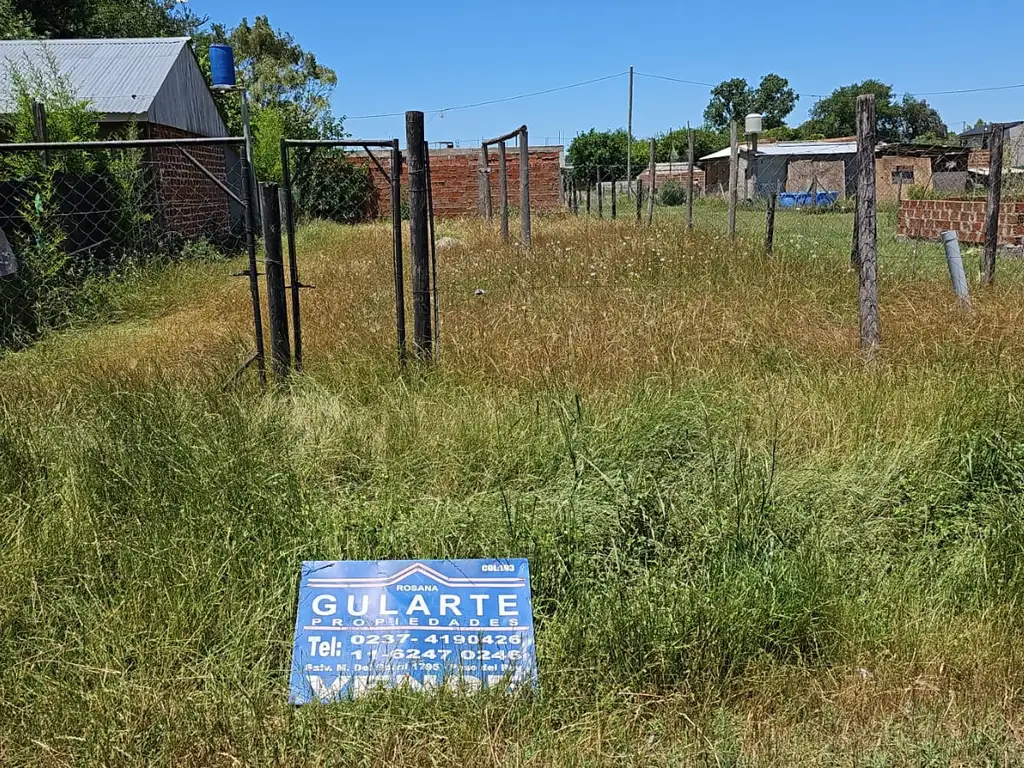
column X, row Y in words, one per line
column 454, row 175
column 928, row 219
column 188, row 202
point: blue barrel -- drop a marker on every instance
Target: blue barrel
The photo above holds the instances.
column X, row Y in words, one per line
column 222, row 66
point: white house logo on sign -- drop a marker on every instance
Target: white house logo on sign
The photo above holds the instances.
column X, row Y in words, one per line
column 421, row 624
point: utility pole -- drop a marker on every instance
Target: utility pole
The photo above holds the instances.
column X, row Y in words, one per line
column 629, row 130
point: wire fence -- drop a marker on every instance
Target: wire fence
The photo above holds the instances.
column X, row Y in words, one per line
column 72, row 212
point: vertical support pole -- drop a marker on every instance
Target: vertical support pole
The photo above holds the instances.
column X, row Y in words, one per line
column 433, row 249
column 995, row 194
column 588, row 197
column 524, row 187
column 249, row 154
column 629, row 132
column 486, row 208
column 639, row 201
column 855, row 247
column 600, row 196
column 396, row 238
column 249, row 194
column 273, row 266
column 503, row 189
column 955, row 262
column 41, row 130
column 419, row 235
column 615, row 195
column 734, row 169
column 870, row 333
column 652, row 186
column 288, row 203
column 769, row 225
column 689, row 183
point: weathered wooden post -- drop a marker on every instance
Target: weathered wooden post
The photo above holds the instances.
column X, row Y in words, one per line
column 639, row 201
column 398, row 261
column 870, row 332
column 600, row 196
column 689, row 184
column 734, row 171
column 277, row 297
column 526, row 232
column 652, row 185
column 769, row 227
column 995, row 195
column 486, row 209
column 614, row 196
column 419, row 234
column 42, row 130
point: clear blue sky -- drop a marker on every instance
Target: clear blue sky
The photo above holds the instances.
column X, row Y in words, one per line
column 401, row 55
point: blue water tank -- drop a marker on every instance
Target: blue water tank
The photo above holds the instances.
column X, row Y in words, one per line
column 222, row 66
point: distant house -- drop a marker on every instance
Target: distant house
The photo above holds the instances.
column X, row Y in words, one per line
column 158, row 85
column 901, row 166
column 786, row 166
column 1013, row 143
column 677, row 172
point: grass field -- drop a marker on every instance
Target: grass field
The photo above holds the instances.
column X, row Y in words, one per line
column 749, row 546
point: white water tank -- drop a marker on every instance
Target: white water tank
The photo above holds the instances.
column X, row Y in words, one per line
column 754, row 123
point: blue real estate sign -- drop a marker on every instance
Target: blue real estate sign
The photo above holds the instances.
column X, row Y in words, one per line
column 417, row 623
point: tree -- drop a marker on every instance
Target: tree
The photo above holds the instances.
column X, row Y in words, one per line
column 906, row 120
column 605, row 152
column 674, row 145
column 730, row 100
column 735, row 99
column 775, row 100
column 104, row 18
column 14, row 25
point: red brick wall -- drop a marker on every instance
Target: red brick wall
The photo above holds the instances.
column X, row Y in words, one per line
column 188, row 202
column 928, row 219
column 454, row 180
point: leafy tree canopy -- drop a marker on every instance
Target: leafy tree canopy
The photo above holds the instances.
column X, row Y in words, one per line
column 898, row 120
column 673, row 146
column 95, row 18
column 734, row 99
column 605, row 152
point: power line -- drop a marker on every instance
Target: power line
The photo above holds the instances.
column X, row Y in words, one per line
column 496, row 101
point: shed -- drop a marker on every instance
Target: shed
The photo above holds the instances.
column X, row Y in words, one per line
column 157, row 84
column 677, row 172
column 787, row 166
column 1013, row 140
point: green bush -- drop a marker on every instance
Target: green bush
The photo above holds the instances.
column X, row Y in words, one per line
column 330, row 186
column 672, row 193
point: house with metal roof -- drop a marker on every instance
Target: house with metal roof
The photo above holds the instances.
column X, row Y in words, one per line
column 1013, row 140
column 156, row 82
column 157, row 85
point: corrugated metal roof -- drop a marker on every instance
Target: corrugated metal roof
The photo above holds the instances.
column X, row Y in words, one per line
column 804, row 148
column 119, row 77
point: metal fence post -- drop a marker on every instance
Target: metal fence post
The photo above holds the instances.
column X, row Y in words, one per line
column 870, row 333
column 419, row 235
column 277, row 300
column 293, row 265
column 524, row 187
column 249, row 195
column 995, row 195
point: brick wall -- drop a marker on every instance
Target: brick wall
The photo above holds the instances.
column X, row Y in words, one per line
column 680, row 174
column 928, row 219
column 454, row 180
column 188, row 202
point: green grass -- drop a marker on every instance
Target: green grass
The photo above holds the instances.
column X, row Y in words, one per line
column 748, row 546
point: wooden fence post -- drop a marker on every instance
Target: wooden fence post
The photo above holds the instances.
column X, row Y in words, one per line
column 588, row 197
column 486, row 208
column 867, row 225
column 855, row 247
column 995, row 195
column 689, row 190
column 277, row 295
column 503, row 189
column 769, row 227
column 652, row 186
column 615, row 194
column 639, row 201
column 600, row 196
column 526, row 232
column 419, row 235
column 41, row 129
column 734, row 171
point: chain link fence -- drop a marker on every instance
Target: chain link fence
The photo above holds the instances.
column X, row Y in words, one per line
column 73, row 212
